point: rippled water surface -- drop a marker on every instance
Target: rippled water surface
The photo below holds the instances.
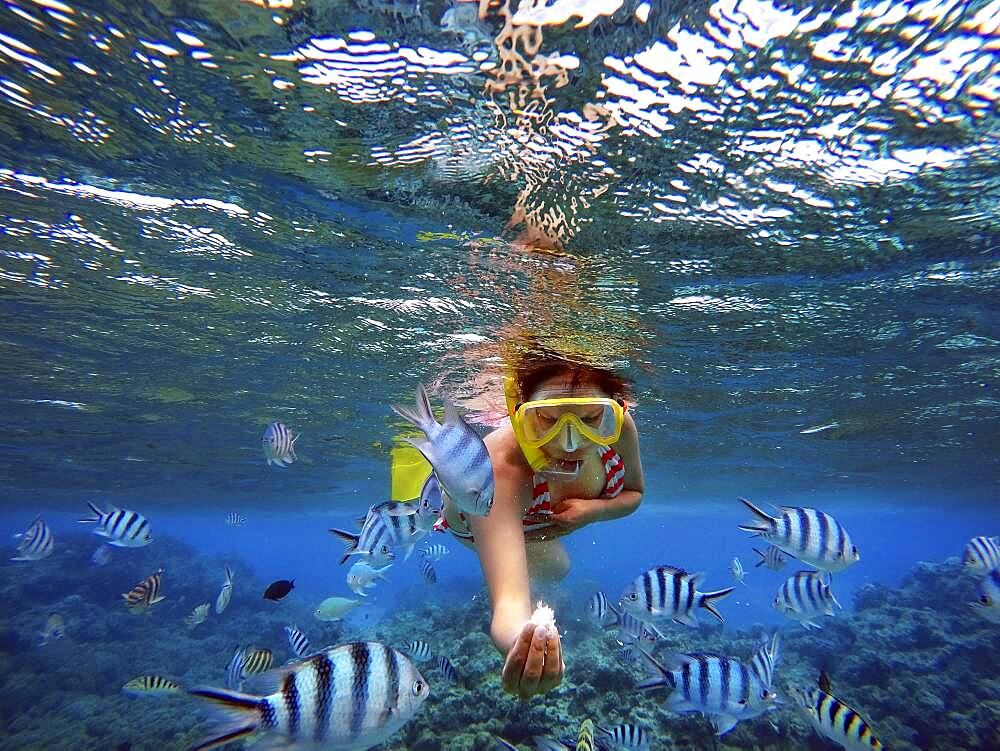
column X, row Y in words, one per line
column 779, row 219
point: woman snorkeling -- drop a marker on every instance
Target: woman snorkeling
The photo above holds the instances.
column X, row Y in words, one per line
column 568, row 456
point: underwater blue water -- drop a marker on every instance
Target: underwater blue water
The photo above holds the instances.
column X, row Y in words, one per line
column 778, row 221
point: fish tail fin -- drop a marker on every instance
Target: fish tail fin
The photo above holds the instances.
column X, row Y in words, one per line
column 763, row 521
column 240, row 715
column 229, row 576
column 96, row 514
column 763, row 558
column 349, row 539
column 708, row 597
column 423, row 415
column 659, row 675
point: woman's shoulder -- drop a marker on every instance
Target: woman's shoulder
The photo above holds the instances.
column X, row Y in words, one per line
column 506, row 455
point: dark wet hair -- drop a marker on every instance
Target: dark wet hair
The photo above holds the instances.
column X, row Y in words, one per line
column 534, row 369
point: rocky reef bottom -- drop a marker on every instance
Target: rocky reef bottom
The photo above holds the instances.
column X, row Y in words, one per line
column 914, row 660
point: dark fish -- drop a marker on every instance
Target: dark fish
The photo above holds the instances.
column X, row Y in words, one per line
column 279, row 589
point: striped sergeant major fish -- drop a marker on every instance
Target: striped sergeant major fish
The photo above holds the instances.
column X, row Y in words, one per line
column 456, row 452
column 123, row 528
column 417, row 650
column 585, row 738
column 988, row 604
column 627, row 736
column 55, row 629
column 427, row 571
column 666, row 592
column 982, row 555
column 435, row 552
column 771, row 557
column 381, row 531
column 246, row 662
column 806, row 596
column 152, row 685
column 226, row 593
column 630, row 629
column 36, row 542
column 765, row 659
column 722, row 688
column 146, row 593
column 814, row 537
column 835, row 720
column 597, row 608
column 279, row 444
column 235, row 519
column 352, row 696
column 447, row 669
column 297, row 641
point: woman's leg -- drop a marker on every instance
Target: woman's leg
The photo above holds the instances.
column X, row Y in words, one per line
column 547, row 560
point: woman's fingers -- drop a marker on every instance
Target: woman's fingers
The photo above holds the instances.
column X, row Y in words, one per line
column 554, row 667
column 513, row 666
column 534, row 665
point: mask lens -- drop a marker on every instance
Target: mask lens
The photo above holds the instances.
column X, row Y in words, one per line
column 596, row 420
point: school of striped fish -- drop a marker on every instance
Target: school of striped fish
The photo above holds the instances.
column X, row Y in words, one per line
column 356, row 695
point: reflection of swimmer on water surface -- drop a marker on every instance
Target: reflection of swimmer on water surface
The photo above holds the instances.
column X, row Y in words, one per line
column 567, row 457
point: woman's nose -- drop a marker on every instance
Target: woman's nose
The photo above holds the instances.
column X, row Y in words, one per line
column 569, row 440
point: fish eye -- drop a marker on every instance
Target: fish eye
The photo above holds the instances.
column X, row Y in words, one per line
column 419, row 687
column 632, row 596
column 985, row 599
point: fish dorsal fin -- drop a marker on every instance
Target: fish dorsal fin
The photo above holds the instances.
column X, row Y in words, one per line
column 451, row 416
column 824, row 682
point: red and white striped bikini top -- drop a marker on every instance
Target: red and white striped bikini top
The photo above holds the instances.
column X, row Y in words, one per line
column 614, row 481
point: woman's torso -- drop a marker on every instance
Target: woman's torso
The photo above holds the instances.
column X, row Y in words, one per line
column 601, row 475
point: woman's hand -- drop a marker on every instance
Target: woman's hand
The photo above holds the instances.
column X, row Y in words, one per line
column 534, row 663
column 568, row 515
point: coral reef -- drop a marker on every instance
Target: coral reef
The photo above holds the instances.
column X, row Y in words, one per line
column 913, row 659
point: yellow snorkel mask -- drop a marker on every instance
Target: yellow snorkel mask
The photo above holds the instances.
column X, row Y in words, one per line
column 540, row 421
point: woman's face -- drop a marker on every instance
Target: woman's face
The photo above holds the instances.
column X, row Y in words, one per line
column 569, row 444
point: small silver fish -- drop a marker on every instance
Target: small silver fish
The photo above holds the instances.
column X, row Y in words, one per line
column 361, row 576
column 354, row 696
column 198, row 615
column 55, row 629
column 814, row 537
column 335, row 608
column 457, row 453
column 736, row 569
column 226, row 593
column 123, row 528
column 805, row 596
column 279, row 444
column 36, row 542
column 101, row 556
